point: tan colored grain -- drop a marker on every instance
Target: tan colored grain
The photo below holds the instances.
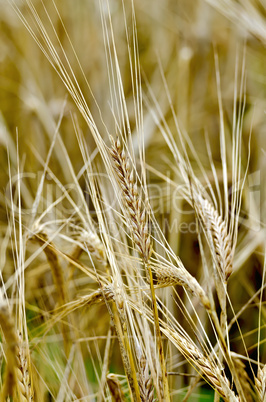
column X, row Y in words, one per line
column 216, row 227
column 17, row 380
column 260, row 383
column 91, row 242
column 138, row 216
column 141, row 237
column 23, row 373
column 243, row 378
column 167, row 275
column 211, row 371
column 145, row 381
column 11, row 350
column 115, row 388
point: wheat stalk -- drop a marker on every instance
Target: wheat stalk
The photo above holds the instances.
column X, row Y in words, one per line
column 50, row 252
column 58, row 277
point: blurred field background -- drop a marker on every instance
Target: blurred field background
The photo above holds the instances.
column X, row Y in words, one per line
column 178, row 42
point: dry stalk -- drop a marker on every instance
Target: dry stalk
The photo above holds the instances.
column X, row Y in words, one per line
column 58, row 277
column 141, row 237
column 106, row 362
column 260, row 383
column 122, row 330
column 115, row 388
column 51, row 255
column 125, row 350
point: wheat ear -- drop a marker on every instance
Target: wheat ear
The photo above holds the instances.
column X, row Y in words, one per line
column 115, row 388
column 260, row 382
column 23, row 374
column 142, row 238
column 138, row 215
column 167, row 275
column 91, row 242
column 216, row 227
column 220, row 245
column 11, row 339
column 208, row 368
column 17, row 377
column 243, row 378
column 145, row 381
